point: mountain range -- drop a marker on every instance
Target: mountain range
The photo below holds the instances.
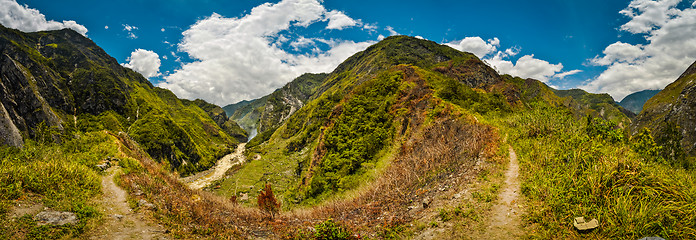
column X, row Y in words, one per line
column 404, row 139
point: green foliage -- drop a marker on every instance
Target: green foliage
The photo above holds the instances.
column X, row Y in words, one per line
column 45, row 134
column 44, row 170
column 444, row 215
column 583, row 169
column 478, row 101
column 330, row 230
column 644, row 144
column 598, row 128
column 162, row 138
column 61, row 175
column 362, row 130
column 130, row 165
column 671, row 150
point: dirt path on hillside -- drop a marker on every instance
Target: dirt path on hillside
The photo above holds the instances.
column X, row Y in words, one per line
column 505, row 214
column 205, row 178
column 120, row 222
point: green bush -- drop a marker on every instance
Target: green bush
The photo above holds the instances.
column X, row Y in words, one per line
column 478, row 101
column 644, row 144
column 330, row 230
column 599, row 128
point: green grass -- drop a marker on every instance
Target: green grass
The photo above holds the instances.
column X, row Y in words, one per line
column 569, row 170
column 277, row 166
column 61, row 177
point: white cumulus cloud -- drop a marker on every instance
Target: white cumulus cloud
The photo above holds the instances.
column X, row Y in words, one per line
column 476, row 45
column 670, row 48
column 243, row 58
column 339, row 20
column 525, row 67
column 23, row 18
column 568, row 73
column 145, row 62
column 647, row 15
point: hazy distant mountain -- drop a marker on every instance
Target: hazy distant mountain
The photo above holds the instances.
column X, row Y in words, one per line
column 597, row 105
column 635, row 101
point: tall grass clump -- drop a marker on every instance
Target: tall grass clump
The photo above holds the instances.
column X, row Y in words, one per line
column 589, row 168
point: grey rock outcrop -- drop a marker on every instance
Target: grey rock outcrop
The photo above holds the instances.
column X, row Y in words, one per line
column 55, row 218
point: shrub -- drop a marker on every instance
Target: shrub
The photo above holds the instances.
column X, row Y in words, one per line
column 644, row 144
column 267, row 201
column 330, row 230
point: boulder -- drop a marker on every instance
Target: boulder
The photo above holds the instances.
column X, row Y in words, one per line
column 55, row 218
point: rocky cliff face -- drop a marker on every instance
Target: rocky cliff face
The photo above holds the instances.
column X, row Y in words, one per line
column 64, row 81
column 285, row 101
column 673, row 110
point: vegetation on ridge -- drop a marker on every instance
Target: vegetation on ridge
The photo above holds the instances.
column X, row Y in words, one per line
column 77, row 87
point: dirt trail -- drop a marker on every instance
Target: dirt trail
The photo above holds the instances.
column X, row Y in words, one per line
column 205, row 178
column 505, row 214
column 120, row 222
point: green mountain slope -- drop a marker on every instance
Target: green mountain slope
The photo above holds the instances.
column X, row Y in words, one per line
column 671, row 114
column 230, row 109
column 219, row 115
column 596, row 105
column 634, row 102
column 62, row 79
column 350, row 124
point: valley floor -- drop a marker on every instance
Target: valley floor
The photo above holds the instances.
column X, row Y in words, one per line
column 205, row 178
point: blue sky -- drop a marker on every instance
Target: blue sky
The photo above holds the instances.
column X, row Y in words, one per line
column 227, row 51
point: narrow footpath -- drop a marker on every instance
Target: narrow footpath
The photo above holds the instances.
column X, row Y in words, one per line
column 120, row 222
column 505, row 214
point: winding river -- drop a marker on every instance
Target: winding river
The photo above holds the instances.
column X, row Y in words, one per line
column 205, row 178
